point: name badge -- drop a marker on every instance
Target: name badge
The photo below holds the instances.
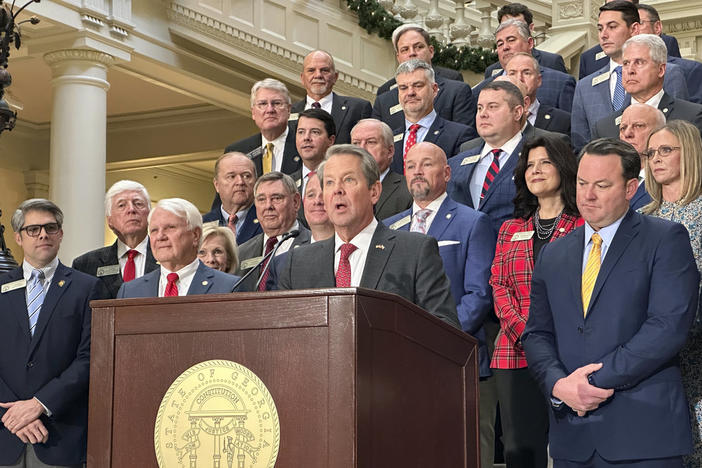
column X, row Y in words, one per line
column 293, row 116
column 448, row 242
column 14, row 285
column 401, row 222
column 470, row 159
column 618, row 120
column 396, row 109
column 393, row 86
column 520, row 236
column 398, row 137
column 600, row 78
column 250, row 263
column 254, row 153
column 298, row 183
column 107, row 270
column 600, row 55
column 496, row 71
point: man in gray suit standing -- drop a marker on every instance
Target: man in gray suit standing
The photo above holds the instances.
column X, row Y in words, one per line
column 175, row 226
column 363, row 252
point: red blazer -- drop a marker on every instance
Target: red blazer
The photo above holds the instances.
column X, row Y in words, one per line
column 511, row 285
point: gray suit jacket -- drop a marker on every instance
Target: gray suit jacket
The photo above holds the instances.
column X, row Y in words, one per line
column 394, row 198
column 205, row 281
column 91, row 262
column 419, row 277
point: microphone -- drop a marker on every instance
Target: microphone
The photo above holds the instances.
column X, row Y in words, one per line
column 286, row 236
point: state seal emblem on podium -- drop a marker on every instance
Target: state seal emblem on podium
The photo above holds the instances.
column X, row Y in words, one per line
column 217, row 414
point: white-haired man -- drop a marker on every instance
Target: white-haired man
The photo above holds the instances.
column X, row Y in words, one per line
column 175, row 228
column 127, row 206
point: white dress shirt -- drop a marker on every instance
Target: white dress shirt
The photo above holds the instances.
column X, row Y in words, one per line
column 285, row 246
column 278, row 149
column 433, row 206
column 424, row 124
column 655, row 100
column 606, row 233
column 185, row 277
column 240, row 216
column 533, row 111
column 48, row 271
column 139, row 259
column 357, row 259
column 325, row 103
column 481, row 168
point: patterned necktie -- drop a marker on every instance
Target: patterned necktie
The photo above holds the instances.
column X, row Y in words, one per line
column 270, row 244
column 619, row 93
column 35, row 298
column 268, row 158
column 492, row 172
column 129, row 267
column 232, row 223
column 592, row 268
column 411, row 141
column 171, row 286
column 420, row 221
column 316, row 105
column 343, row 272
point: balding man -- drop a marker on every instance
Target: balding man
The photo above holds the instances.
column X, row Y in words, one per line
column 234, row 178
column 175, row 228
column 318, row 77
column 375, row 137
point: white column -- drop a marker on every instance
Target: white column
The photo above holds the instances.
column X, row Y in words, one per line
column 78, row 146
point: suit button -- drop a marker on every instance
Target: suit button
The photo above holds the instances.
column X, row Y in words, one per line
column 30, row 364
column 580, row 330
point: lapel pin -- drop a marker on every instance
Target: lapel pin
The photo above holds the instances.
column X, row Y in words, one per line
column 255, row 221
column 61, row 283
column 448, row 216
column 380, row 246
column 563, row 230
column 204, row 283
column 296, row 158
column 547, row 117
column 343, row 107
column 665, row 110
column 436, row 132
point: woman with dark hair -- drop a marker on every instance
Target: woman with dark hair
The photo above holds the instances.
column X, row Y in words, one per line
column 544, row 210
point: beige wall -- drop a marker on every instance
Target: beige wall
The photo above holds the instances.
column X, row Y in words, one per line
column 14, row 192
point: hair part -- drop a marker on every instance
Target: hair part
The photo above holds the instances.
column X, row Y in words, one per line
column 229, row 155
column 273, row 176
column 230, row 245
column 629, row 11
column 514, row 95
column 515, row 9
column 270, row 83
column 181, row 208
column 656, row 47
column 124, row 186
column 321, row 115
column 35, row 204
column 630, row 159
column 368, row 165
column 522, row 28
column 412, row 65
column 400, row 30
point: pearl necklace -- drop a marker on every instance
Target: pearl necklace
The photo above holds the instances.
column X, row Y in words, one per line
column 544, row 231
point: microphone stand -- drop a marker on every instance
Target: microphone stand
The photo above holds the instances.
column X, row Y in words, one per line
column 270, row 254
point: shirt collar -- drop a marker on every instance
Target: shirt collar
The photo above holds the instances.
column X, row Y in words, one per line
column 360, row 240
column 278, row 142
column 123, row 248
column 296, row 225
column 322, row 102
column 424, row 122
column 433, row 206
column 385, row 172
column 48, row 270
column 655, row 100
column 606, row 233
column 188, row 269
column 613, row 65
column 509, row 146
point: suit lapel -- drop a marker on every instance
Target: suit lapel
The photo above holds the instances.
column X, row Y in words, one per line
column 389, row 185
column 666, row 104
column 574, row 266
column 202, row 280
column 339, row 110
column 17, row 300
column 434, row 132
column 151, row 263
column 379, row 252
column 506, row 172
column 59, row 285
column 443, row 218
column 464, row 172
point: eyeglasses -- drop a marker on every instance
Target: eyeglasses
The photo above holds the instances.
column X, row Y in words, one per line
column 33, row 230
column 277, row 104
column 664, row 151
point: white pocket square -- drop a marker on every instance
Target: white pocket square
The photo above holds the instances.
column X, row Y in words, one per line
column 447, row 242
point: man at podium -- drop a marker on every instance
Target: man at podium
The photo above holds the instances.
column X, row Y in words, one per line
column 363, row 252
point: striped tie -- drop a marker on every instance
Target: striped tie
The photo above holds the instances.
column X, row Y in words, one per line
column 619, row 93
column 35, row 298
column 492, row 172
column 592, row 268
column 420, row 221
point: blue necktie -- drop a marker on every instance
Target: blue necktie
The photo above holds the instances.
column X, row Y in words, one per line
column 35, row 298
column 619, row 93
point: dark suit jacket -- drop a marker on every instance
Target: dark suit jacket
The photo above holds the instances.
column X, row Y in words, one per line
column 419, row 277
column 498, row 201
column 692, row 70
column 593, row 59
column 251, row 147
column 467, row 246
column 557, row 88
column 640, row 199
column 453, row 102
column 250, row 228
column 545, row 59
column 52, row 365
column 346, row 111
column 90, row 263
column 442, row 72
column 643, row 303
column 449, row 136
column 252, row 250
column 671, row 107
column 206, row 281
column 394, row 198
column 553, row 119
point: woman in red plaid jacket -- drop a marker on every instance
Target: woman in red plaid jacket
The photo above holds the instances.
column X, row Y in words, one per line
column 544, row 210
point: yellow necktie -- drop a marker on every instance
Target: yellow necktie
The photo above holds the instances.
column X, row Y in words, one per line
column 592, row 268
column 268, row 158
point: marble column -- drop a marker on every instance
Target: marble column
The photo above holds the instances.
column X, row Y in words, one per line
column 78, row 146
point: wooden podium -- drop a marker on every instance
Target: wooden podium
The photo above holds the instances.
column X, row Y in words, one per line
column 359, row 378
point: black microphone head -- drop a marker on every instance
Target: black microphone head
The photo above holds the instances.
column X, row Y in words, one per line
column 293, row 233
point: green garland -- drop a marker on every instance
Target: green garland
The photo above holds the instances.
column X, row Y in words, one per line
column 375, row 19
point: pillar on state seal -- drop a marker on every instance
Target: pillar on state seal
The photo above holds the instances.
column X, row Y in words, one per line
column 78, row 146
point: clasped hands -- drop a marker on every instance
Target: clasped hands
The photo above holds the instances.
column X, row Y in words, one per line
column 576, row 391
column 22, row 419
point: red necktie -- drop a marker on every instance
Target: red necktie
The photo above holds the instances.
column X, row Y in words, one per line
column 171, row 287
column 411, row 141
column 270, row 243
column 492, row 172
column 129, row 267
column 316, row 105
column 232, row 223
column 343, row 272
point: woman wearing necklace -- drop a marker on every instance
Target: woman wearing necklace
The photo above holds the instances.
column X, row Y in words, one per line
column 674, row 181
column 544, row 210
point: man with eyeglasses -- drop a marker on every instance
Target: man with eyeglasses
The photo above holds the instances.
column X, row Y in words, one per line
column 127, row 206
column 277, row 203
column 44, row 347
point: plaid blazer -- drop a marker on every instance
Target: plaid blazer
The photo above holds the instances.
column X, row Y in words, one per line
column 511, row 285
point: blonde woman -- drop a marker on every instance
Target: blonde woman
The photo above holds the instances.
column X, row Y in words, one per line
column 218, row 249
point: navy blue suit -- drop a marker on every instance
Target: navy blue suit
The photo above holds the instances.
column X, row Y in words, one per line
column 467, row 247
column 557, row 88
column 693, row 77
column 453, row 102
column 206, row 281
column 498, row 202
column 545, row 59
column 449, row 136
column 249, row 229
column 52, row 365
column 553, row 119
column 346, row 112
column 640, row 199
column 642, row 305
column 251, row 147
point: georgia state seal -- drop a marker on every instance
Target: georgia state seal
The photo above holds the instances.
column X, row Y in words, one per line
column 217, row 413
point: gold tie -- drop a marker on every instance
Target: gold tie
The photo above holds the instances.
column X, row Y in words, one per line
column 592, row 268
column 268, row 158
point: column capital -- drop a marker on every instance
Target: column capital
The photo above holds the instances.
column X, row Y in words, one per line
column 79, row 66
column 94, row 56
